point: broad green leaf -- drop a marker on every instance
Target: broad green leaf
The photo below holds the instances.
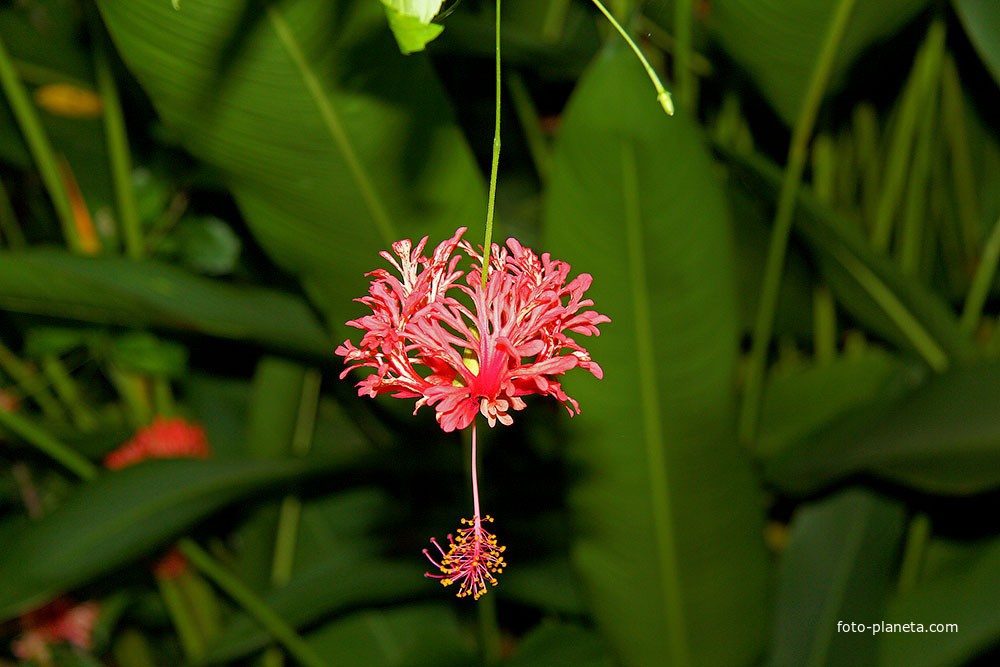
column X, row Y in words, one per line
column 778, row 41
column 344, row 581
column 838, row 567
column 869, row 286
column 967, row 597
column 333, row 143
column 550, row 585
column 413, row 635
column 204, row 244
column 560, row 644
column 981, row 19
column 799, row 402
column 114, row 290
column 122, row 515
column 670, row 551
column 144, row 353
column 411, row 26
column 942, row 437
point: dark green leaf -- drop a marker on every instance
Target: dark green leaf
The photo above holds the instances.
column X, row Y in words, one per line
column 146, row 354
column 671, row 550
column 778, row 41
column 338, row 583
column 115, row 290
column 967, row 597
column 411, row 33
column 122, row 515
column 206, row 244
column 981, row 19
column 333, row 143
column 942, row 437
column 560, row 644
column 838, row 567
column 416, row 635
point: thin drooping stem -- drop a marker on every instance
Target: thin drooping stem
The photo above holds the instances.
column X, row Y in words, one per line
column 662, row 96
column 491, row 203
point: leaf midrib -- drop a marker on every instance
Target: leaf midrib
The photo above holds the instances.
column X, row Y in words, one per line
column 669, row 575
column 333, row 124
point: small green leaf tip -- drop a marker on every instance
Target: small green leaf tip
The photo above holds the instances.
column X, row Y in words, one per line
column 666, row 102
column 176, row 4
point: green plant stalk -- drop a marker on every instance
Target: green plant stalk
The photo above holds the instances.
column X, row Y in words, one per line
column 922, row 80
column 538, row 147
column 188, row 633
column 118, row 152
column 866, row 142
column 68, row 391
column 131, row 389
column 953, row 120
column 45, row 443
column 31, row 384
column 10, row 230
column 824, row 325
column 257, row 608
column 917, row 536
column 684, row 82
column 797, row 152
column 981, row 281
column 41, row 149
column 554, row 22
column 163, row 397
column 132, row 650
column 915, row 219
column 495, row 161
column 662, row 96
column 200, row 604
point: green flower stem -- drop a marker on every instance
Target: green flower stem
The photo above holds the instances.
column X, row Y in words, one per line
column 69, row 393
column 685, row 85
column 10, row 230
column 45, row 443
column 963, row 177
column 495, row 163
column 913, row 236
column 541, row 154
column 251, row 602
column 555, row 20
column 118, row 150
column 981, row 282
column 922, row 80
column 163, row 397
column 797, row 153
column 189, row 635
column 662, row 96
column 131, row 389
column 31, row 384
column 824, row 325
column 41, row 149
column 131, row 649
column 917, row 537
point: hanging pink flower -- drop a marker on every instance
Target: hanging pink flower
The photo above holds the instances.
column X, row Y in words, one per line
column 164, row 438
column 471, row 346
column 464, row 348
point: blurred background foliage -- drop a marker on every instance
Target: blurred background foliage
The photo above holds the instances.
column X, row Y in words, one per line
column 800, row 419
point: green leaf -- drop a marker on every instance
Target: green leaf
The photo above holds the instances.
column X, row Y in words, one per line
column 333, row 144
column 838, row 567
column 560, row 644
column 336, row 584
column 114, row 290
column 868, row 285
column 414, row 635
column 144, row 353
column 967, row 597
column 778, row 41
column 412, row 33
column 942, row 437
column 206, row 244
column 981, row 19
column 802, row 401
column 121, row 516
column 671, row 550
